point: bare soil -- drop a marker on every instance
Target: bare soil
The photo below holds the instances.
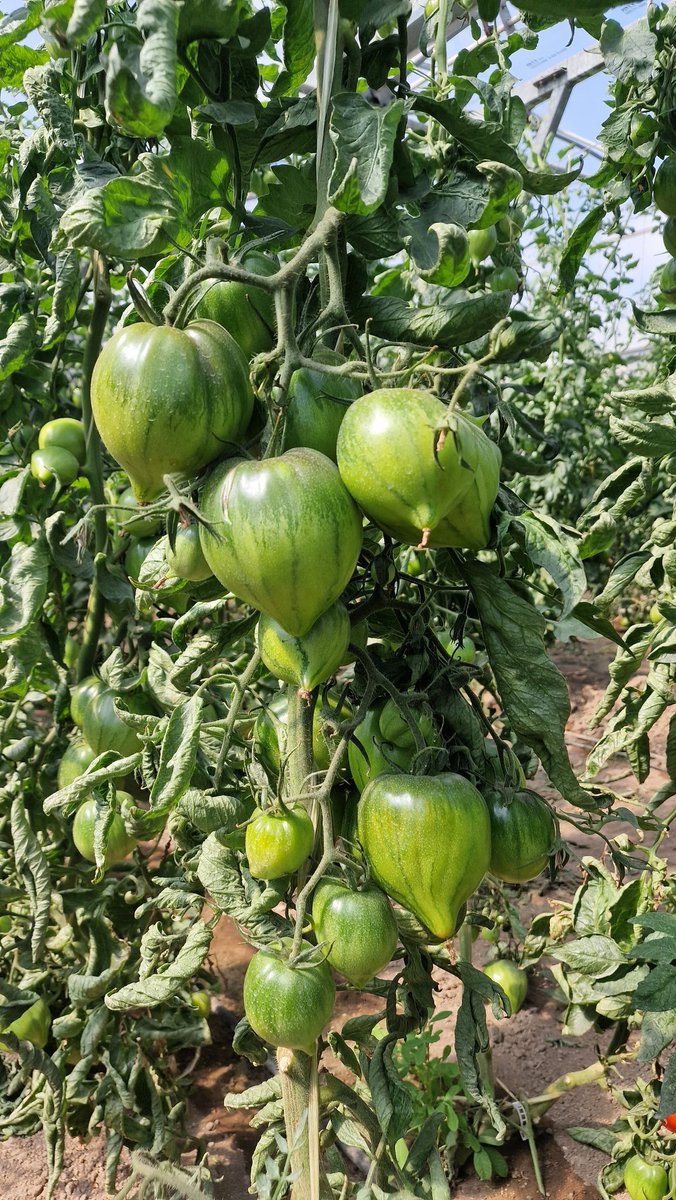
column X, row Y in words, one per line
column 528, row 1050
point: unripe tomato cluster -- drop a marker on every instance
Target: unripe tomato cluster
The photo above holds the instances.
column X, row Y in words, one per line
column 61, row 452
column 283, row 533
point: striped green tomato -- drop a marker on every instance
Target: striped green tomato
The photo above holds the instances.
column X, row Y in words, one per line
column 309, row 660
column 285, row 534
column 169, row 401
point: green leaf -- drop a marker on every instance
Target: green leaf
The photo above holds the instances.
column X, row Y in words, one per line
column 657, row 993
column 456, row 318
column 176, row 768
column 656, row 400
column 219, row 872
column 17, row 25
column 658, row 1029
column 129, row 217
column 596, row 955
column 488, row 141
column 86, row 18
column 102, row 770
column 43, row 88
column 629, row 54
column 65, row 298
column 248, row 1043
column 661, row 922
column 15, row 61
column 33, row 868
column 661, row 321
column 17, row 346
column 668, row 1092
column 141, row 87
column 600, row 1139
column 24, row 580
column 158, row 988
column 391, row 1099
column 298, row 47
column 549, row 546
column 532, row 690
column 363, row 135
column 648, row 439
column 620, row 577
column 577, row 245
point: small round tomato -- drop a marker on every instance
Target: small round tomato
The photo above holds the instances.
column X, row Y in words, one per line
column 5, row 923
column 664, row 186
column 523, row 834
column 202, row 1002
column 248, row 313
column 655, row 616
column 278, row 843
column 82, row 695
column 140, row 526
column 67, row 434
column 119, row 843
column 482, row 243
column 645, row 1180
column 104, row 730
column 288, row 1004
column 74, row 763
column 669, row 236
column 306, row 661
column 32, row 1026
column 357, row 928
column 395, row 729
column 137, row 553
column 504, row 279
column 670, row 1122
column 187, row 560
column 464, row 651
column 54, row 463
column 316, row 404
column 512, row 980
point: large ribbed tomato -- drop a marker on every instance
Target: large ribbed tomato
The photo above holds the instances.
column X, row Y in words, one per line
column 286, row 534
column 523, row 834
column 356, row 926
column 427, row 840
column 278, row 842
column 169, row 400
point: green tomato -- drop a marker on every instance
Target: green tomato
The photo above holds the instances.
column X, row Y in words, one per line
column 5, row 923
column 54, row 463
column 428, row 843
column 186, row 559
column 668, row 279
column 65, row 433
column 388, row 462
column 285, row 1004
column 664, row 186
column 316, row 404
column 118, row 844
column 248, row 313
column 32, row 1026
column 394, row 728
column 74, row 763
column 141, row 526
column 467, row 525
column 482, row 243
column 286, row 537
column 137, row 553
column 169, row 401
column 669, row 236
column 306, row 661
column 464, row 651
column 202, row 1002
column 357, row 928
column 655, row 616
column 278, row 843
column 71, row 651
column 645, row 1180
column 324, row 740
column 370, row 755
column 104, row 730
column 504, row 279
column 512, row 980
column 270, row 733
column 524, row 832
column 82, row 695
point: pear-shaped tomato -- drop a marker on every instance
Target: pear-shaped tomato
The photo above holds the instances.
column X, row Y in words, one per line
column 288, row 1004
column 54, row 463
column 277, row 843
column 392, row 462
column 187, row 558
column 482, row 243
column 248, row 313
column 645, row 1180
column 74, row 763
column 524, row 833
column 169, row 400
column 316, row 405
column 357, row 927
column 467, row 524
column 286, row 534
column 427, row 840
column 306, row 661
column 82, row 695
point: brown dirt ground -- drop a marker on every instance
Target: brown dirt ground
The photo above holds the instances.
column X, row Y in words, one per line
column 528, row 1051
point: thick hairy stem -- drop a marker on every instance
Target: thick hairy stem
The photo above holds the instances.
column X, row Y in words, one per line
column 296, row 1071
column 299, row 763
column 97, row 328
